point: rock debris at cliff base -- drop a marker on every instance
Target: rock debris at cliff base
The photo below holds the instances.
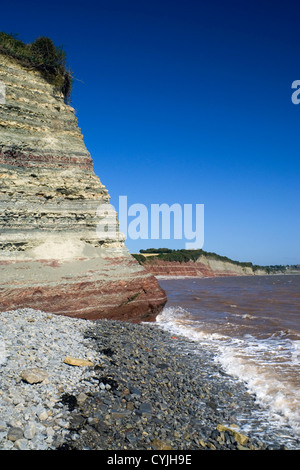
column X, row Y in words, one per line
column 77, row 384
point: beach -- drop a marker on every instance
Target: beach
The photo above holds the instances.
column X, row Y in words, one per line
column 142, row 388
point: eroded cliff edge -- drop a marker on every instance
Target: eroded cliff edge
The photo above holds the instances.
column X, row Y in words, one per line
column 196, row 263
column 51, row 257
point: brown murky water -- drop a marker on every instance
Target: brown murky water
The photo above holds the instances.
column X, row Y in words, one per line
column 253, row 324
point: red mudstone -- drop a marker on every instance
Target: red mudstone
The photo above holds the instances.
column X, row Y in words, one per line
column 90, row 295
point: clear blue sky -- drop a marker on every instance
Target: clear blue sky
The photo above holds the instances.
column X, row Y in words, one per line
column 188, row 102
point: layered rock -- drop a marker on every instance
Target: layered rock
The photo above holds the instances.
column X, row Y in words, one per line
column 52, row 257
column 202, row 267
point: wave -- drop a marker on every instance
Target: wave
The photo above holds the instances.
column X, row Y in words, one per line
column 269, row 366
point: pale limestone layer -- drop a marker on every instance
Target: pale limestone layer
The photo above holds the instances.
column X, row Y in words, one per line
column 37, row 114
column 225, row 266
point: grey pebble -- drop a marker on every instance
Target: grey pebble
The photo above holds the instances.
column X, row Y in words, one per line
column 21, row 444
column 30, row 430
column 143, row 392
column 14, row 434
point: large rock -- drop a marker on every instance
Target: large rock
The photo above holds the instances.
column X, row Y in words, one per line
column 51, row 256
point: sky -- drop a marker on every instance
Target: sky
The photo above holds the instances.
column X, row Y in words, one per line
column 187, row 102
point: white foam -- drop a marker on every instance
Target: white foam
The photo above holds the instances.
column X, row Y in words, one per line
column 258, row 363
column 264, row 381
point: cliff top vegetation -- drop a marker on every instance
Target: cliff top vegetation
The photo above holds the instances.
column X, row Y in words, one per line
column 42, row 55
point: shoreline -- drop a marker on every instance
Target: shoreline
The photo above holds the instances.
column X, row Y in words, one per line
column 144, row 389
column 158, row 277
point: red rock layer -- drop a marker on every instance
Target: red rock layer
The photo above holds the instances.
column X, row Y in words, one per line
column 49, row 161
column 90, row 294
column 190, row 268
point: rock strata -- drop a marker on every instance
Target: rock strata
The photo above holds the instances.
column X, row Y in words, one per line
column 202, row 267
column 52, row 255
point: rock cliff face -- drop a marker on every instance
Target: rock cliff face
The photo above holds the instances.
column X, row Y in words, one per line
column 51, row 256
column 203, row 267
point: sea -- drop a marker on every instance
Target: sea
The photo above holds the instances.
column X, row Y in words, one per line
column 252, row 326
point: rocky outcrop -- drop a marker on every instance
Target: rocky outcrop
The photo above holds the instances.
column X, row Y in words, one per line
column 51, row 255
column 202, row 267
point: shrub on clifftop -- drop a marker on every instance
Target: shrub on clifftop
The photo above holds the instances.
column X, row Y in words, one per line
column 43, row 55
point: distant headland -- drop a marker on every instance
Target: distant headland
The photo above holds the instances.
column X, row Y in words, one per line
column 200, row 263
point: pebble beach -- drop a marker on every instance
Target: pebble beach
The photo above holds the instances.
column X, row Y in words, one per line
column 73, row 384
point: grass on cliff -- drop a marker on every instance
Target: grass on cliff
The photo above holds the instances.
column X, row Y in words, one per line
column 183, row 256
column 42, row 55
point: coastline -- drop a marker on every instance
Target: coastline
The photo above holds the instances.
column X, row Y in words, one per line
column 144, row 389
column 158, row 277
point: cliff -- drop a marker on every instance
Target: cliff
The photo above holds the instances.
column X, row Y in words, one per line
column 51, row 257
column 195, row 264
